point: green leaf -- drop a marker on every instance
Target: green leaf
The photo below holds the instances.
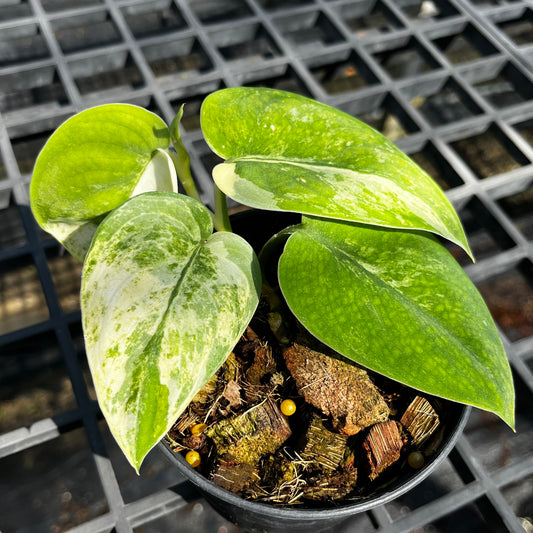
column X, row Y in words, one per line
column 164, row 301
column 93, row 163
column 287, row 152
column 398, row 303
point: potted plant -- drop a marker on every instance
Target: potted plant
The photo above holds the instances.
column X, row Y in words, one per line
column 165, row 300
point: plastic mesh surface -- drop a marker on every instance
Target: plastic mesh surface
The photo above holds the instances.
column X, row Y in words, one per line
column 449, row 81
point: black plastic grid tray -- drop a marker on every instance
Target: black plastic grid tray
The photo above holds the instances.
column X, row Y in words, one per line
column 450, row 81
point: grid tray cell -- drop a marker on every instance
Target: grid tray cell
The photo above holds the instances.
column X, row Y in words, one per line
column 444, row 480
column 273, row 5
column 216, row 11
column 503, row 85
column 21, row 44
column 421, row 11
column 368, row 18
column 194, row 516
column 346, row 75
column 155, row 474
column 34, row 383
column 78, row 342
column 287, row 80
column 437, row 166
column 509, row 296
column 14, row 9
column 525, row 128
column 308, row 31
column 441, row 101
column 109, row 75
column 34, row 89
column 61, row 5
column 192, row 103
column 469, row 518
column 13, row 234
column 518, row 496
column 181, row 59
column 518, row 28
column 495, row 445
column 58, row 483
column 489, row 153
column 485, row 234
column 27, row 148
column 449, row 81
column 22, row 301
column 407, row 59
column 3, row 171
column 519, row 207
column 464, row 44
column 66, row 277
column 147, row 19
column 245, row 45
column 86, row 31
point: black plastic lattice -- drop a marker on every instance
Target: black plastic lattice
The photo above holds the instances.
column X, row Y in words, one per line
column 450, row 81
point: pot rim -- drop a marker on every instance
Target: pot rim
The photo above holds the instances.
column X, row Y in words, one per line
column 346, row 509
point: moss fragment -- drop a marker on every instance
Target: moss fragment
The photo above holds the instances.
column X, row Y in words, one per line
column 260, row 430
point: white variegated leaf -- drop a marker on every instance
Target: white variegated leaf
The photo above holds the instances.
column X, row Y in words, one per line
column 285, row 152
column 164, row 301
column 94, row 162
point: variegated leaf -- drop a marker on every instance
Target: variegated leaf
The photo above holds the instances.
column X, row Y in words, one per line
column 93, row 163
column 287, row 152
column 164, row 302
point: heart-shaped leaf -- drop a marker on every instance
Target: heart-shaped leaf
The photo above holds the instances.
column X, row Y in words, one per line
column 164, row 301
column 93, row 163
column 398, row 303
column 287, row 152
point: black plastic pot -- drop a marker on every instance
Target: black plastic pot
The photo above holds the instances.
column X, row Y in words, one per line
column 257, row 227
column 264, row 518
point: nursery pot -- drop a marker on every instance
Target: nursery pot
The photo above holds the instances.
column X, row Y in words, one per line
column 257, row 227
column 264, row 518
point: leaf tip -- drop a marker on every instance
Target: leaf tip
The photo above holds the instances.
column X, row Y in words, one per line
column 508, row 416
column 469, row 251
column 135, row 458
column 506, row 408
column 461, row 240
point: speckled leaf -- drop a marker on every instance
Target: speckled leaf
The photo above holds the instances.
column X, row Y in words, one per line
column 398, row 303
column 93, row 163
column 286, row 152
column 164, row 301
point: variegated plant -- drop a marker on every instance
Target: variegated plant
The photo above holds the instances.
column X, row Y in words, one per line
column 165, row 300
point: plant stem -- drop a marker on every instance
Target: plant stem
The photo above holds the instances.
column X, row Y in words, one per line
column 181, row 158
column 221, row 218
column 181, row 164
